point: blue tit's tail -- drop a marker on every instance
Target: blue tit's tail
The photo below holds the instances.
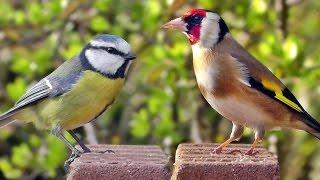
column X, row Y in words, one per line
column 6, row 118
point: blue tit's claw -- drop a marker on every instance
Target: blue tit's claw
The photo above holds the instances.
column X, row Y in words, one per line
column 107, row 151
column 74, row 155
column 86, row 150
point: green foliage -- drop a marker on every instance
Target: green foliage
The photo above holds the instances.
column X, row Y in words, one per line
column 99, row 24
column 140, row 124
column 16, row 89
column 160, row 103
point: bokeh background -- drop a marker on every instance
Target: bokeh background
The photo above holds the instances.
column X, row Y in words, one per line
column 160, row 103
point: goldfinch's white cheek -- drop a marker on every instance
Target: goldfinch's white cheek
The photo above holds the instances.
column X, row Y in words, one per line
column 103, row 61
column 209, row 33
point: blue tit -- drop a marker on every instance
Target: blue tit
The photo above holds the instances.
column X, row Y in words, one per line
column 76, row 92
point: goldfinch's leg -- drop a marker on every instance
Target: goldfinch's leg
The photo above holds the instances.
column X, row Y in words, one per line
column 258, row 136
column 82, row 145
column 235, row 135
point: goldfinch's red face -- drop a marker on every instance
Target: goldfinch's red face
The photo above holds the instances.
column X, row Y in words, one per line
column 189, row 23
column 200, row 26
column 193, row 19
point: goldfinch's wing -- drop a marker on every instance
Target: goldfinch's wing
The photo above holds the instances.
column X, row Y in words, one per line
column 58, row 82
column 255, row 75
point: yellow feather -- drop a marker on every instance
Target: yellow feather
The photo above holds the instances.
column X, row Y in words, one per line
column 279, row 95
column 271, row 86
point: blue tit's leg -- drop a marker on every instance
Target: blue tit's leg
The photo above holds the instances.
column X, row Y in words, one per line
column 73, row 156
column 82, row 145
column 75, row 152
column 57, row 132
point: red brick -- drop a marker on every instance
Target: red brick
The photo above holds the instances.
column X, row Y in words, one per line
column 196, row 161
column 128, row 162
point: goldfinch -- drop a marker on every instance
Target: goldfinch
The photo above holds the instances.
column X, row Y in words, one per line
column 236, row 84
column 76, row 92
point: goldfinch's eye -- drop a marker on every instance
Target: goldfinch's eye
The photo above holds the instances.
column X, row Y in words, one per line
column 194, row 20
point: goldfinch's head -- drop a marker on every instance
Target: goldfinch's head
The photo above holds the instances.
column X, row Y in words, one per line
column 201, row 26
column 109, row 55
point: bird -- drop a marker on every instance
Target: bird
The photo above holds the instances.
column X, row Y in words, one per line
column 77, row 92
column 236, row 84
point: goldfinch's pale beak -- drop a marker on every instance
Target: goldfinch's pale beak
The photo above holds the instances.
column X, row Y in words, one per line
column 130, row 57
column 177, row 24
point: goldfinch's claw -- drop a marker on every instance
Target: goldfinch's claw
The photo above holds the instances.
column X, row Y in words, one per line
column 235, row 151
column 251, row 152
column 217, row 150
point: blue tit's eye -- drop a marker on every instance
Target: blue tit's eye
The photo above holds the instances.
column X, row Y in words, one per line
column 111, row 50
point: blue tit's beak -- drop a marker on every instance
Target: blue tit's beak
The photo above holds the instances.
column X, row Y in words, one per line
column 130, row 56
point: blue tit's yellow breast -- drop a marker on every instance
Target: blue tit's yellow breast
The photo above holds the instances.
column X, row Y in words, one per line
column 86, row 99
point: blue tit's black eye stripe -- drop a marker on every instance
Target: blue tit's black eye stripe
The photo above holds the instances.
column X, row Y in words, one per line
column 110, row 50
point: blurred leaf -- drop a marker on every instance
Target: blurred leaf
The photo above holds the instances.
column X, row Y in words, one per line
column 99, row 24
column 140, row 126
column 21, row 155
column 9, row 171
column 16, row 89
column 290, row 48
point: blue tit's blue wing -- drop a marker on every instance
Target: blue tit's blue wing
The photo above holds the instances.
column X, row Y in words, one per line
column 57, row 83
column 37, row 92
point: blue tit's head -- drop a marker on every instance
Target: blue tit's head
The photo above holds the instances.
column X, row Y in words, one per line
column 108, row 54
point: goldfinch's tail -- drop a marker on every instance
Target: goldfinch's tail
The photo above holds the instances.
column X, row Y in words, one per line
column 317, row 135
column 313, row 124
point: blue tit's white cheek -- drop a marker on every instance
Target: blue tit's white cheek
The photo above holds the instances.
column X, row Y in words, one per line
column 103, row 61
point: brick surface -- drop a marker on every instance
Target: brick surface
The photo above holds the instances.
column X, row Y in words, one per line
column 196, row 161
column 128, row 162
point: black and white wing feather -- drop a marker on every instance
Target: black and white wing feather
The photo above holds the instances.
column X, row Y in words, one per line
column 36, row 93
column 55, row 84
